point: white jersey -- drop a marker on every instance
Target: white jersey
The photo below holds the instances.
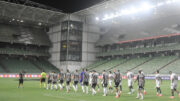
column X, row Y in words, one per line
column 111, row 77
column 174, row 81
column 130, row 76
column 174, row 78
column 158, row 80
column 90, row 78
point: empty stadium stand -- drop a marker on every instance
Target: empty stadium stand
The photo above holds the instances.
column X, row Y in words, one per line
column 96, row 64
column 166, row 47
column 155, row 64
column 110, row 64
column 24, row 48
column 44, row 65
column 22, row 34
column 148, row 64
column 134, row 62
column 174, row 67
column 15, row 65
column 17, row 51
column 1, row 70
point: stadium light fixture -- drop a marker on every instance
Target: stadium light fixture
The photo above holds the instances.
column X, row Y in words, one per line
column 133, row 10
column 144, row 6
column 160, row 4
column 97, row 18
column 21, row 21
column 39, row 23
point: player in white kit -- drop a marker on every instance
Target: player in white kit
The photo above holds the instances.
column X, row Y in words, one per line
column 158, row 83
column 130, row 76
column 174, row 84
column 90, row 79
column 111, row 78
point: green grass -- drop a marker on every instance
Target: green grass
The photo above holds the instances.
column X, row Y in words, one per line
column 32, row 92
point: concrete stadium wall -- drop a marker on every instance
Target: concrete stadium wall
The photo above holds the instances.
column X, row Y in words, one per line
column 91, row 34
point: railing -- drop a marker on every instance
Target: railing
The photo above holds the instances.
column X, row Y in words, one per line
column 36, row 75
column 140, row 50
column 13, row 51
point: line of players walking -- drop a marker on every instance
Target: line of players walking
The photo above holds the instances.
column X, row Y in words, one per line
column 93, row 79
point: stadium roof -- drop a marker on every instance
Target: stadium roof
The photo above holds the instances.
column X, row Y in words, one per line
column 17, row 12
column 105, row 6
column 69, row 6
column 161, row 20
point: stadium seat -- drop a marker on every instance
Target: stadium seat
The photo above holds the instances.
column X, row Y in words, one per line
column 1, row 70
column 26, row 35
column 131, row 64
column 16, row 65
column 154, row 64
column 171, row 46
column 45, row 65
column 174, row 67
column 109, row 64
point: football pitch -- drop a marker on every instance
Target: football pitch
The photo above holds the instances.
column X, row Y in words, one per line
column 33, row 92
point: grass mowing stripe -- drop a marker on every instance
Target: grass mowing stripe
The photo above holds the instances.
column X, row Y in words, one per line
column 31, row 91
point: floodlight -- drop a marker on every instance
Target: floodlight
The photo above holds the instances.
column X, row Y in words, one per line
column 160, row 4
column 97, row 18
column 145, row 6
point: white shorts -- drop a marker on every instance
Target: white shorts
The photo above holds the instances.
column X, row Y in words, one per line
column 110, row 83
column 120, row 83
column 173, row 86
column 158, row 84
column 90, row 81
column 130, row 82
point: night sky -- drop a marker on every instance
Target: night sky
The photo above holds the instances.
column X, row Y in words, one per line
column 69, row 6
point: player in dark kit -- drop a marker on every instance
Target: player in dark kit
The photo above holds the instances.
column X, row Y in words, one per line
column 54, row 81
column 85, row 81
column 94, row 82
column 21, row 80
column 61, row 79
column 50, row 78
column 68, row 80
column 117, row 81
column 105, row 82
column 75, row 80
column 141, row 82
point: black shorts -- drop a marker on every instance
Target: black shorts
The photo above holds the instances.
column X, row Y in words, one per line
column 43, row 80
column 68, row 82
column 140, row 87
column 61, row 81
column 21, row 81
column 104, row 85
column 85, row 83
column 75, row 82
column 54, row 82
column 94, row 85
column 49, row 81
column 116, row 84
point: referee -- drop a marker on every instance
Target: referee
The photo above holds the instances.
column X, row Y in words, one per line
column 43, row 79
column 21, row 80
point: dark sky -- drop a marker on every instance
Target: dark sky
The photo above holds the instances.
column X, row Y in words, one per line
column 69, row 6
